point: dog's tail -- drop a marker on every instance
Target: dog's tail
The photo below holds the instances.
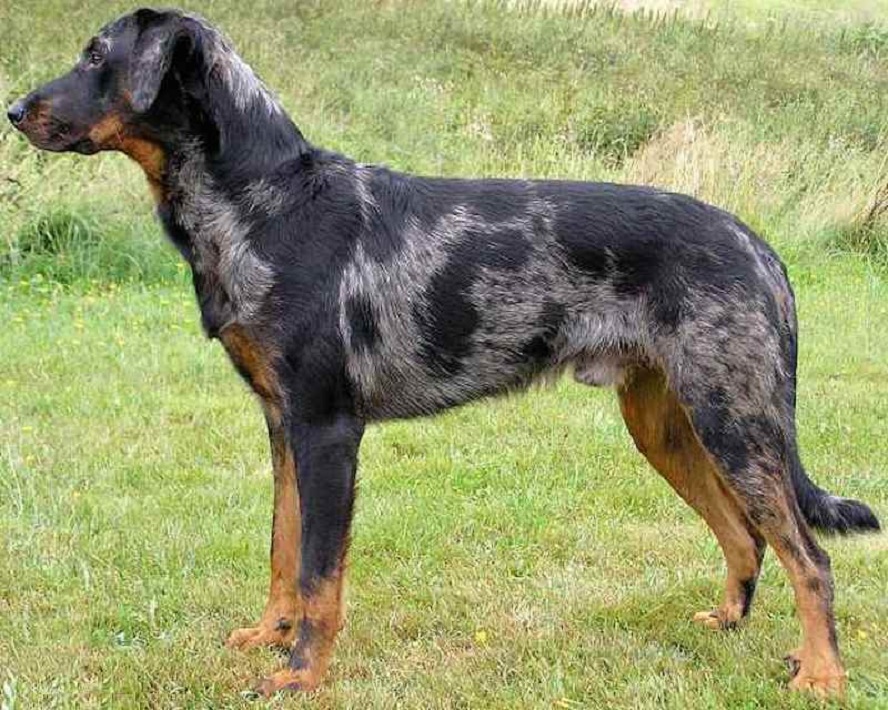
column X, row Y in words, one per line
column 826, row 512
column 822, row 510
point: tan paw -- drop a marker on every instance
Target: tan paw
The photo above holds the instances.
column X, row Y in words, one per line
column 719, row 619
column 822, row 677
column 280, row 633
column 824, row 686
column 287, row 680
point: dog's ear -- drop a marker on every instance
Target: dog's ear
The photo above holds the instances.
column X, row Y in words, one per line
column 152, row 56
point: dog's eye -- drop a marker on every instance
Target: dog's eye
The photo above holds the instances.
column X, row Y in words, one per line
column 94, row 57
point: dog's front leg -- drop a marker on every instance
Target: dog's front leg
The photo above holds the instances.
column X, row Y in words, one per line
column 326, row 464
column 277, row 627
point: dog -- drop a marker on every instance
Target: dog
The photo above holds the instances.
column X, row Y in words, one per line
column 347, row 293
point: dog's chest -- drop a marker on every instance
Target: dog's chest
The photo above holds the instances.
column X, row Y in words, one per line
column 211, row 231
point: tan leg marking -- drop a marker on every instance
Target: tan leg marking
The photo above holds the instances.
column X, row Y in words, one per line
column 661, row 431
column 277, row 627
column 314, row 646
column 283, row 610
column 816, row 666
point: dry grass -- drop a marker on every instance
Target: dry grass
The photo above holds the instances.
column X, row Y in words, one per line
column 751, row 13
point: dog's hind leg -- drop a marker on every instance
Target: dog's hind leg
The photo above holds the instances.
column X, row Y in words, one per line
column 739, row 406
column 661, row 431
column 283, row 608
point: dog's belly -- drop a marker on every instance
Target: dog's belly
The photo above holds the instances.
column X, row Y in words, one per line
column 402, row 379
column 411, row 392
column 404, row 390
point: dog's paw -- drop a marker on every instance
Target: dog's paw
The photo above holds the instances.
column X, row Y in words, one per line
column 720, row 619
column 824, row 686
column 287, row 681
column 825, row 680
column 279, row 633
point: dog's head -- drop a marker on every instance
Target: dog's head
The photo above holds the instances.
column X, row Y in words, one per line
column 104, row 100
column 147, row 82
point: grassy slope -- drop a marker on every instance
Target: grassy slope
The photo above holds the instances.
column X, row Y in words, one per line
column 514, row 553
column 754, row 13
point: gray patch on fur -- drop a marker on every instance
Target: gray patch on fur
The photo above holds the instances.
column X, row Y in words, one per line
column 599, row 327
column 226, row 66
column 392, row 289
column 106, row 41
column 263, row 197
column 366, row 200
column 222, row 250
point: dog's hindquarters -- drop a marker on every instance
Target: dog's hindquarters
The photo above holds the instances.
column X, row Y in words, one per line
column 730, row 367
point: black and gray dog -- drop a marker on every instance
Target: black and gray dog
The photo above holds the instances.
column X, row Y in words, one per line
column 347, row 293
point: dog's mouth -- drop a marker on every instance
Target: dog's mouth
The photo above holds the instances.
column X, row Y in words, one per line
column 59, row 138
column 54, row 134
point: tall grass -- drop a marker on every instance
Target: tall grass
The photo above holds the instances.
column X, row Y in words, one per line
column 784, row 125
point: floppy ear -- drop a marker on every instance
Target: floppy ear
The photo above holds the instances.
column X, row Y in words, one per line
column 152, row 58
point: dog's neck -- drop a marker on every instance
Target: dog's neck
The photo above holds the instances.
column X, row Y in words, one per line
column 212, row 107
column 210, row 176
column 209, row 221
column 253, row 134
column 251, row 131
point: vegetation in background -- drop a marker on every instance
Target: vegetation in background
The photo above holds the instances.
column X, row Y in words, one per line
column 785, row 125
column 515, row 553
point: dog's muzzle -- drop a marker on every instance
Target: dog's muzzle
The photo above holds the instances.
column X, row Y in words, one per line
column 16, row 113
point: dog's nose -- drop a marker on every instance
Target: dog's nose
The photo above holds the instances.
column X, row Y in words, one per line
column 16, row 112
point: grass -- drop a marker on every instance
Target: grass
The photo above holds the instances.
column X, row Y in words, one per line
column 515, row 553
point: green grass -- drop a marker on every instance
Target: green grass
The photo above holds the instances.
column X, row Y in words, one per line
column 515, row 553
